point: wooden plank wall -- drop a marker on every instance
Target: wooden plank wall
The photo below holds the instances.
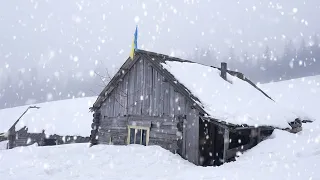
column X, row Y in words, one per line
column 24, row 138
column 146, row 95
column 191, row 136
column 163, row 130
column 144, row 91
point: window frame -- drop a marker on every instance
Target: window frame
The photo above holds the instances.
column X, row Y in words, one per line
column 147, row 129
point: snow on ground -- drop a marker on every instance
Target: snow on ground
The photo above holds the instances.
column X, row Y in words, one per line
column 283, row 156
column 54, row 117
column 301, row 94
column 237, row 102
column 3, row 145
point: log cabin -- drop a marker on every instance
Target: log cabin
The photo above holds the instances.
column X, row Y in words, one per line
column 205, row 114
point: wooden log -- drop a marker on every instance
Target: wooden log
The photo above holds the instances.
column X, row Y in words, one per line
column 226, row 144
column 165, row 131
column 163, row 136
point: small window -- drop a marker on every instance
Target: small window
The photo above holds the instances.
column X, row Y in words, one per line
column 138, row 135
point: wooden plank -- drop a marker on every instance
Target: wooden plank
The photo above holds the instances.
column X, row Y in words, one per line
column 161, row 100
column 226, row 144
column 126, row 94
column 166, row 100
column 184, row 147
column 160, row 135
column 176, row 103
column 154, row 93
column 117, row 128
column 150, row 91
column 153, row 118
column 131, row 91
column 142, row 87
column 192, row 136
column 104, row 138
column 159, row 106
column 140, row 123
column 172, row 101
column 170, row 123
column 122, row 98
column 116, row 102
column 145, row 104
column 182, row 105
column 165, row 131
column 136, row 89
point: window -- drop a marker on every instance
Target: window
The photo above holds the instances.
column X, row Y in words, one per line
column 138, row 135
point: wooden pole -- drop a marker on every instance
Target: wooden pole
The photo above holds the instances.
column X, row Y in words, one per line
column 12, row 130
column 225, row 144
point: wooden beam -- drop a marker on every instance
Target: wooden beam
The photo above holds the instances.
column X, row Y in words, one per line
column 225, row 144
column 258, row 135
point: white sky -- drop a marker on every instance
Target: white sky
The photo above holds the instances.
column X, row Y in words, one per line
column 60, row 35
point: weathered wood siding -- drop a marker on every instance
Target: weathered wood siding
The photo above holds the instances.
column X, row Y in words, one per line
column 144, row 91
column 163, row 131
column 144, row 94
column 191, row 136
column 23, row 138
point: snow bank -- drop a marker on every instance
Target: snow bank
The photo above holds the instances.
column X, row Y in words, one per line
column 65, row 117
column 284, row 156
column 3, row 145
column 237, row 102
column 299, row 94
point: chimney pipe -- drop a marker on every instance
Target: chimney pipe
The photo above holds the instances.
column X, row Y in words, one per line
column 224, row 70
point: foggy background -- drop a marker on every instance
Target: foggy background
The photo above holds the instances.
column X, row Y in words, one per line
column 51, row 49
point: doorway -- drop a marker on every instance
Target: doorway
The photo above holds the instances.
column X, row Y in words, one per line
column 210, row 143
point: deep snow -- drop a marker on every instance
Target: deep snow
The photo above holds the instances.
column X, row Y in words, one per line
column 302, row 94
column 284, row 156
column 3, row 145
column 54, row 117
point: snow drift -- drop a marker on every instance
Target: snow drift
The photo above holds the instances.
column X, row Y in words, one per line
column 284, row 156
column 301, row 94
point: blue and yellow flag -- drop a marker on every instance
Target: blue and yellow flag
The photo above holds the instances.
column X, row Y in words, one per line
column 134, row 43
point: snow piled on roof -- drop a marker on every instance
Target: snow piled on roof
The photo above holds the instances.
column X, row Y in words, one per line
column 234, row 101
column 299, row 94
column 65, row 117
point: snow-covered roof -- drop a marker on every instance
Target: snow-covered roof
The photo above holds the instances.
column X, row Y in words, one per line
column 299, row 94
column 65, row 117
column 234, row 101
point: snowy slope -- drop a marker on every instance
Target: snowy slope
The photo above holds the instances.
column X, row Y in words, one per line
column 301, row 94
column 65, row 117
column 237, row 102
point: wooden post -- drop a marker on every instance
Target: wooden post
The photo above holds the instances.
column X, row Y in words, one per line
column 224, row 70
column 11, row 138
column 225, row 144
column 258, row 135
